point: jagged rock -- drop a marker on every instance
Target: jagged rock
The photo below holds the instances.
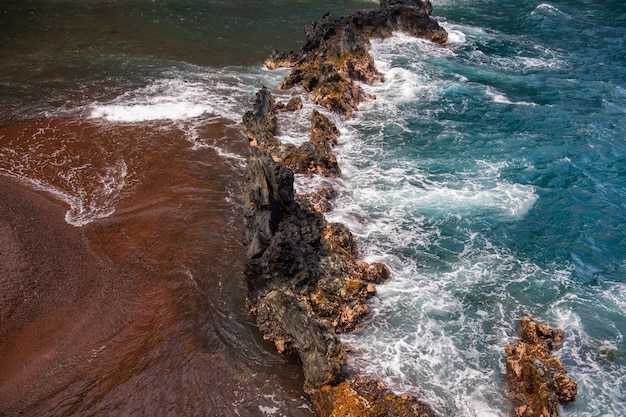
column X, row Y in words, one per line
column 322, row 199
column 304, row 278
column 278, row 59
column 309, row 158
column 537, row 380
column 294, row 103
column 324, row 132
column 415, row 3
column 316, row 156
column 261, row 124
column 335, row 53
column 281, row 239
column 281, row 318
column 304, row 281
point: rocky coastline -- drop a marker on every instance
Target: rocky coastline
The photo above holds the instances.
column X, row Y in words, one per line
column 306, row 282
column 305, row 279
column 537, row 380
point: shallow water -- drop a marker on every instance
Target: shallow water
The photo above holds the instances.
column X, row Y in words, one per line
column 128, row 113
column 488, row 174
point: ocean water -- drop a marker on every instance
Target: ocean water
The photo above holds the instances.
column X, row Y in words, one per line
column 489, row 173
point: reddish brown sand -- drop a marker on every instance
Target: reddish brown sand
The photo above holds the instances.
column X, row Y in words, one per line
column 79, row 334
column 53, row 291
column 138, row 313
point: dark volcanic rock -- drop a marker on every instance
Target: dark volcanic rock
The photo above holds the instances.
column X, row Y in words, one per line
column 281, row 239
column 309, row 158
column 305, row 285
column 283, row 319
column 261, row 125
column 537, row 380
column 305, row 281
column 335, row 53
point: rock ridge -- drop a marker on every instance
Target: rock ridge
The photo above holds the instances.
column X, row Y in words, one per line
column 335, row 55
column 306, row 284
column 305, row 280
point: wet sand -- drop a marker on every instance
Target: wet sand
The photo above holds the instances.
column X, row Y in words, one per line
column 139, row 313
column 59, row 301
column 81, row 334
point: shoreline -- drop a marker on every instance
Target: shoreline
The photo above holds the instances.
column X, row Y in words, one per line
column 306, row 280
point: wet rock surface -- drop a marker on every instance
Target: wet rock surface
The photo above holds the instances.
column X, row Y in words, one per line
column 306, row 285
column 537, row 380
column 306, row 282
column 335, row 55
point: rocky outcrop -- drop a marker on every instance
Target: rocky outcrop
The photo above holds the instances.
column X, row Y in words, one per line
column 358, row 396
column 290, row 246
column 305, row 280
column 537, row 379
column 335, row 54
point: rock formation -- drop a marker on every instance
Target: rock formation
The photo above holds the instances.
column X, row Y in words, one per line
column 304, row 278
column 335, row 54
column 312, row 157
column 537, row 380
column 305, row 282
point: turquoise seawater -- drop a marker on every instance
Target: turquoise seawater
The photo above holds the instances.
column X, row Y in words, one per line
column 489, row 173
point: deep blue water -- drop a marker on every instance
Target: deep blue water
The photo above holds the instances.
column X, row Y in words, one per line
column 489, row 173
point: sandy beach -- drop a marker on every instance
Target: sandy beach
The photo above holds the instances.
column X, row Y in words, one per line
column 59, row 300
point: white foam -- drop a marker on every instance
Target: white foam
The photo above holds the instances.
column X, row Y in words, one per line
column 85, row 207
column 89, row 205
column 165, row 99
column 165, row 109
column 455, row 34
column 183, row 95
column 498, row 97
column 438, row 328
column 548, row 9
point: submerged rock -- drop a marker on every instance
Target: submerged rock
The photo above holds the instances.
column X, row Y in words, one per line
column 537, row 379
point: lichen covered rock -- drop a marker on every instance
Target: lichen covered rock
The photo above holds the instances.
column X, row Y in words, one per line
column 364, row 397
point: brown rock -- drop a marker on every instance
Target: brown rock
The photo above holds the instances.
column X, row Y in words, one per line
column 305, row 282
column 335, row 53
column 324, row 132
column 322, row 199
column 537, row 380
column 362, row 397
column 279, row 59
column 294, row 103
